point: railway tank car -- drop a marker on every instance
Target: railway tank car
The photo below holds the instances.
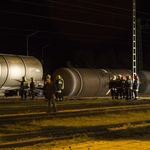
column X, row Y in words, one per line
column 95, row 82
column 14, row 67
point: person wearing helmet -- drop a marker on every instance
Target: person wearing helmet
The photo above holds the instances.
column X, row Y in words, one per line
column 123, row 89
column 128, row 86
column 24, row 88
column 32, row 88
column 59, row 85
column 112, row 87
column 48, row 76
column 49, row 91
column 118, row 87
column 136, row 87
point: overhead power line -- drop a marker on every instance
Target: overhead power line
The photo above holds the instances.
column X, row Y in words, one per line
column 89, row 36
column 112, row 7
column 77, row 39
column 106, row 12
column 105, row 5
column 66, row 20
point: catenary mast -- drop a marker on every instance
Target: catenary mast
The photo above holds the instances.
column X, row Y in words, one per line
column 134, row 40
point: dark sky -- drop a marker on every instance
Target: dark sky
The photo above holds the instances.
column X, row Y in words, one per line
column 76, row 31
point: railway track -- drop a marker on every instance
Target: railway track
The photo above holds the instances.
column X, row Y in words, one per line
column 62, row 107
column 64, row 111
column 27, row 117
column 63, row 134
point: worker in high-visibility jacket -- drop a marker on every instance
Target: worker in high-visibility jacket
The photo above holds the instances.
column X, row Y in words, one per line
column 59, row 85
column 112, row 87
column 136, row 87
column 24, row 88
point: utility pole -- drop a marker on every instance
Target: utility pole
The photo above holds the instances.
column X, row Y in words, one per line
column 27, row 41
column 134, row 40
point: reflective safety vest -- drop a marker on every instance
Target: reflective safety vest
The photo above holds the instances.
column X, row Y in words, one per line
column 59, row 84
column 24, row 85
column 129, row 84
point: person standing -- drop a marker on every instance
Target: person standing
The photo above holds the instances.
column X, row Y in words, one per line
column 59, row 84
column 118, row 87
column 112, row 86
column 128, row 85
column 32, row 88
column 49, row 91
column 24, row 88
column 123, row 89
column 62, row 88
column 136, row 87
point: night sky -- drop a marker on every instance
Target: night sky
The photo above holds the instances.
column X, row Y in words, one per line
column 74, row 33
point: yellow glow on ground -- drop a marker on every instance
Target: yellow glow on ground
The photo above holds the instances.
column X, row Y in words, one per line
column 131, row 126
column 107, row 145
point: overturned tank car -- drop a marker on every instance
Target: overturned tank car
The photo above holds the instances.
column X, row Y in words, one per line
column 95, row 82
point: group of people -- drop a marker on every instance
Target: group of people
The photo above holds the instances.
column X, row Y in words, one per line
column 51, row 90
column 125, row 88
column 24, row 88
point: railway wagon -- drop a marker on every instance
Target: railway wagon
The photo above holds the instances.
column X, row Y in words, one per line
column 95, row 82
column 14, row 67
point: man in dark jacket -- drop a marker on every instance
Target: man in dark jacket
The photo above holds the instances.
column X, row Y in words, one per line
column 136, row 87
column 32, row 88
column 123, row 88
column 49, row 91
column 128, row 86
column 118, row 87
column 24, row 88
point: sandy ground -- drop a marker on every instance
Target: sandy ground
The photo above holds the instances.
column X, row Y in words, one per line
column 118, row 144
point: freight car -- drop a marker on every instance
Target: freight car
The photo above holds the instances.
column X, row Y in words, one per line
column 95, row 82
column 13, row 68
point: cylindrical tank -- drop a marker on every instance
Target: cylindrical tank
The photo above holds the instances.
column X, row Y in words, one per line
column 87, row 82
column 144, row 81
column 14, row 67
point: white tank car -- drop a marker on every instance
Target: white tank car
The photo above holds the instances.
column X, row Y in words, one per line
column 14, row 67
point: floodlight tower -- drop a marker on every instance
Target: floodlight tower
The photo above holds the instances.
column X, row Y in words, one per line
column 134, row 40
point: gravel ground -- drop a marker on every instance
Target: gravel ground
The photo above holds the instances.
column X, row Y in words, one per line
column 119, row 144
